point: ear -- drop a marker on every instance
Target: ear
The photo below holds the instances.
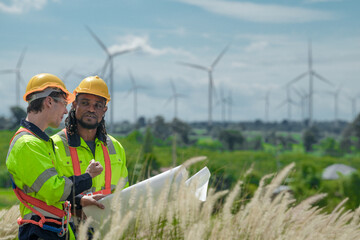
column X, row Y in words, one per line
column 74, row 104
column 48, row 102
column 105, row 109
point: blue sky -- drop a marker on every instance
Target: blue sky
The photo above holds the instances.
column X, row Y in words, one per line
column 269, row 47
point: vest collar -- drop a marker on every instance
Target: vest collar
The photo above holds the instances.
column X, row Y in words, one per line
column 75, row 141
column 34, row 129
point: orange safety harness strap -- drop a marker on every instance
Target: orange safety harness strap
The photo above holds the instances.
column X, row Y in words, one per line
column 26, row 199
column 77, row 170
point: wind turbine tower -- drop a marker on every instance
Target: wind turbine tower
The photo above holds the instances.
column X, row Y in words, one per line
column 267, row 105
column 175, row 96
column 209, row 70
column 109, row 61
column 289, row 101
column 229, row 104
column 222, row 101
column 303, row 98
column 353, row 105
column 335, row 94
column 17, row 71
column 311, row 73
column 134, row 89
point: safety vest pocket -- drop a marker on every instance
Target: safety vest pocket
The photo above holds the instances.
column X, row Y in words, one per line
column 66, row 166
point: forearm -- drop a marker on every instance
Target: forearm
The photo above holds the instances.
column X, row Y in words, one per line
column 81, row 183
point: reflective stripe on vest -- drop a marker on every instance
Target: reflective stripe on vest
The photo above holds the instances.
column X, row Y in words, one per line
column 77, row 171
column 40, row 208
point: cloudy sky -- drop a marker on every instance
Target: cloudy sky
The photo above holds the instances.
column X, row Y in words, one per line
column 268, row 47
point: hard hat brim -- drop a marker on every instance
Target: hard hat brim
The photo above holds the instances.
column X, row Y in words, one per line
column 69, row 96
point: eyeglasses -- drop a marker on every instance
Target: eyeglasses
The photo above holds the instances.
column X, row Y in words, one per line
column 63, row 101
column 97, row 106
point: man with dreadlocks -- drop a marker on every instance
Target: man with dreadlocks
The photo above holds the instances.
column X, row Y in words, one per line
column 85, row 138
column 32, row 161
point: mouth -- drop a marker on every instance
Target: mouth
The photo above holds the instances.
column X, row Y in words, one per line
column 91, row 116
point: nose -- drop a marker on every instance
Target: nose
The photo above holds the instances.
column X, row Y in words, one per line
column 92, row 107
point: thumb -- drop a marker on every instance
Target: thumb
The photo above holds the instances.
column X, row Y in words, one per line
column 100, row 205
column 98, row 196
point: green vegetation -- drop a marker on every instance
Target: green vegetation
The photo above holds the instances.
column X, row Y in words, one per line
column 7, row 197
column 231, row 153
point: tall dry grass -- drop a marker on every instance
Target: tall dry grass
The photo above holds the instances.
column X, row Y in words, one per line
column 8, row 224
column 177, row 214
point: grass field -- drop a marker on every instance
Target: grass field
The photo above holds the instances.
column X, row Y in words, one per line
column 179, row 215
column 7, row 198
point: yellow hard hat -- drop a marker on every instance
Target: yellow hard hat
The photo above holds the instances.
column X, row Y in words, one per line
column 42, row 81
column 93, row 85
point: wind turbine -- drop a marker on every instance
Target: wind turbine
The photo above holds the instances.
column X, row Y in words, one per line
column 109, row 61
column 174, row 97
column 222, row 101
column 209, row 70
column 303, row 95
column 267, row 105
column 335, row 94
column 353, row 105
column 311, row 73
column 134, row 89
column 229, row 104
column 289, row 101
column 17, row 71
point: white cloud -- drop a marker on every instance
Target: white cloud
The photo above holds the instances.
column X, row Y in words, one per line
column 269, row 13
column 131, row 41
column 180, row 31
column 321, row 1
column 256, row 46
column 21, row 6
column 239, row 65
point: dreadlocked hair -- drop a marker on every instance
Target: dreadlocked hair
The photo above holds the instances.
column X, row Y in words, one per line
column 71, row 125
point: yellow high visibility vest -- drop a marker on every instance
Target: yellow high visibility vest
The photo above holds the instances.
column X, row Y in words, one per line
column 116, row 154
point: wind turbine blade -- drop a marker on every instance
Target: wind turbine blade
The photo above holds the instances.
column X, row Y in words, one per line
column 293, row 102
column 168, row 101
column 220, row 56
column 97, row 39
column 297, row 78
column 128, row 92
column 7, row 71
column 339, row 89
column 132, row 78
column 79, row 75
column 181, row 95
column 194, row 66
column 297, row 92
column 68, row 73
column 123, row 52
column 281, row 104
column 173, row 87
column 304, row 92
column 322, row 78
column 18, row 65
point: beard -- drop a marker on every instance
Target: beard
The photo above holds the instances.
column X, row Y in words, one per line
column 87, row 125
